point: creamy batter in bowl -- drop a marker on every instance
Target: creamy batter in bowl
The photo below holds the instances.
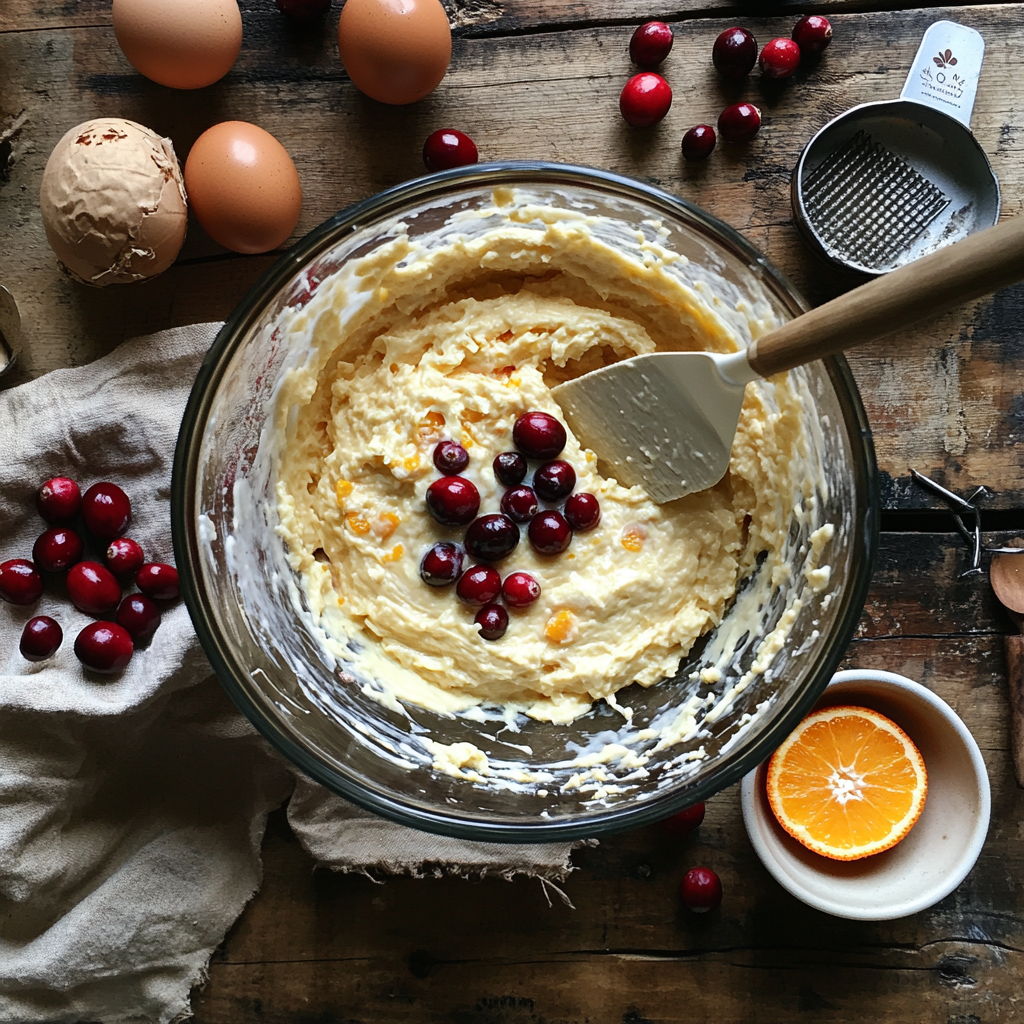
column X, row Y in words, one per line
column 315, row 414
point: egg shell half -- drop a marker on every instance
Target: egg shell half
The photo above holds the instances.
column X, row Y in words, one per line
column 395, row 51
column 183, row 44
column 243, row 187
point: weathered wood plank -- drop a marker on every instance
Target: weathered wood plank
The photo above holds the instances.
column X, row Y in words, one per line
column 949, row 405
column 476, row 17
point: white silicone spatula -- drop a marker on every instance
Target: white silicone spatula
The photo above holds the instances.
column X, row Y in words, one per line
column 667, row 420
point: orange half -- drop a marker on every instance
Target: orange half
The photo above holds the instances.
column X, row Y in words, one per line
column 847, row 783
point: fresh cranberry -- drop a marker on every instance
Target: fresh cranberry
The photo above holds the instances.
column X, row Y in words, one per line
column 40, row 638
column 441, row 565
column 59, row 500
column 520, row 589
column 699, row 142
column 20, row 582
column 448, row 147
column 701, row 890
column 510, row 468
column 479, row 585
column 106, row 510
column 734, row 52
column 812, row 33
column 124, row 556
column 683, row 823
column 519, row 504
column 57, row 549
column 582, row 511
column 645, row 99
column 304, row 10
column 453, row 501
column 779, row 58
column 554, row 480
column 92, row 588
column 650, row 44
column 158, row 581
column 493, row 621
column 104, row 647
column 549, row 533
column 538, row 435
column 137, row 614
column 739, row 123
column 492, row 537
column 450, row 458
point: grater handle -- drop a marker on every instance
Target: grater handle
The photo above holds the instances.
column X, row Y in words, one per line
column 946, row 70
column 979, row 264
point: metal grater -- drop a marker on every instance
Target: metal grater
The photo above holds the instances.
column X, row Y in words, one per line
column 868, row 205
column 890, row 181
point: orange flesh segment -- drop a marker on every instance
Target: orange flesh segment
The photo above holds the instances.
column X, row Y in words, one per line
column 847, row 783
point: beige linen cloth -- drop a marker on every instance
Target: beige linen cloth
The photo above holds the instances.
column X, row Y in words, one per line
column 132, row 807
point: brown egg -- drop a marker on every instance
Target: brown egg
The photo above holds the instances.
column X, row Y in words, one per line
column 243, row 187
column 184, row 44
column 395, row 51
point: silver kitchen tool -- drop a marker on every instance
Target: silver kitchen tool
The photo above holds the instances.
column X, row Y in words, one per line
column 667, row 420
column 10, row 331
column 887, row 182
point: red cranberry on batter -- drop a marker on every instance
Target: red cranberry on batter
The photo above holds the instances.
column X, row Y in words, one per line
column 20, row 582
column 57, row 549
column 554, row 480
column 59, row 500
column 519, row 504
column 441, row 565
column 538, row 435
column 549, row 533
column 41, row 638
column 510, row 468
column 124, row 556
column 139, row 616
column 479, row 585
column 158, row 581
column 492, row 537
column 92, row 588
column 520, row 589
column 450, row 458
column 582, row 511
column 493, row 621
column 453, row 501
column 106, row 510
column 104, row 647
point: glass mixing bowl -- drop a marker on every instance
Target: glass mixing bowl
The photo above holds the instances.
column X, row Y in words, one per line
column 247, row 605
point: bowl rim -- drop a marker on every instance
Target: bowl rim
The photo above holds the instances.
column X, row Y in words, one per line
column 450, row 821
column 941, row 889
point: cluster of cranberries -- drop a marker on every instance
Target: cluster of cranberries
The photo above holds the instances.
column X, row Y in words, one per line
column 734, row 55
column 700, row 888
column 454, row 501
column 646, row 97
column 105, row 512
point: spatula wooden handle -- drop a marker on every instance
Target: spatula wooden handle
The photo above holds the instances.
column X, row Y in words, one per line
column 981, row 263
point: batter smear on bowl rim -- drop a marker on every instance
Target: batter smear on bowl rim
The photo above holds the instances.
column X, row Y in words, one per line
column 416, row 344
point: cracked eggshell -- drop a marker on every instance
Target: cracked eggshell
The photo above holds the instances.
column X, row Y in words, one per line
column 113, row 202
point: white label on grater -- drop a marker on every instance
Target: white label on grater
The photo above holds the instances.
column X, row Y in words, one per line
column 946, row 70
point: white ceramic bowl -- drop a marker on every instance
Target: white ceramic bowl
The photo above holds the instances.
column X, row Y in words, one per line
column 941, row 847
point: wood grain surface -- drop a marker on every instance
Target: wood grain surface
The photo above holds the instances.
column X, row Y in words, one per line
column 540, row 79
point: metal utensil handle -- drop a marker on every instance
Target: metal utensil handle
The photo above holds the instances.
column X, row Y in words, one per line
column 981, row 263
column 946, row 70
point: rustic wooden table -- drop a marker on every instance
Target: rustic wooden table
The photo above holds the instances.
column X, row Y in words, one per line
column 540, row 79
